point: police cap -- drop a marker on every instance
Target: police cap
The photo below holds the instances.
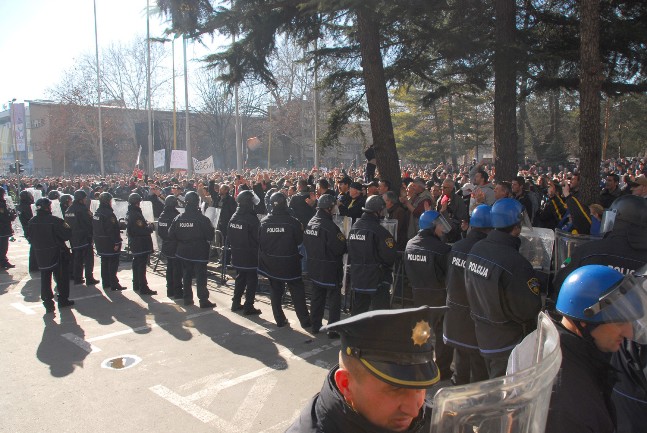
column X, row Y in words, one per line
column 192, row 199
column 326, row 201
column 394, row 345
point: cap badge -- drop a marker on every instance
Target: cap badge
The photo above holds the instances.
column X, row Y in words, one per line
column 421, row 333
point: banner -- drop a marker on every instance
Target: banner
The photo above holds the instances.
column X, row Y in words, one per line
column 19, row 126
column 204, row 166
column 159, row 158
column 178, row 159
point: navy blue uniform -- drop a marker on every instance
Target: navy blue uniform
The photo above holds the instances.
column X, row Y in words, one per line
column 79, row 218
column 242, row 237
column 140, row 243
column 107, row 241
column 173, row 264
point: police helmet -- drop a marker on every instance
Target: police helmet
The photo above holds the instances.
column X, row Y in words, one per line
column 26, row 196
column 626, row 211
column 374, row 204
column 599, row 294
column 192, row 199
column 79, row 194
column 53, row 195
column 506, row 212
column 134, row 198
column 326, row 201
column 427, row 219
column 481, row 217
column 105, row 198
column 44, row 204
column 65, row 198
column 247, row 198
column 170, row 201
column 279, row 200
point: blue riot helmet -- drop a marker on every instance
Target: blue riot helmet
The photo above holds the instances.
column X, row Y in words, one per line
column 508, row 212
column 598, row 294
column 481, row 217
column 430, row 219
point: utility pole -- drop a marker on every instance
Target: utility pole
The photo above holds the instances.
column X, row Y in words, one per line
column 96, row 50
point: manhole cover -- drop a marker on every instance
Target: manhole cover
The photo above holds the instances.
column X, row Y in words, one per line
column 121, row 362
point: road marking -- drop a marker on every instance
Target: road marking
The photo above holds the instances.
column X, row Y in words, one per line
column 281, row 426
column 83, row 344
column 96, row 295
column 191, row 408
column 253, row 403
column 23, row 308
column 126, row 331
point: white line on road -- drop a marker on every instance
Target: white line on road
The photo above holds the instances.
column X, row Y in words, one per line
column 191, row 408
column 83, row 344
column 22, row 307
column 253, row 403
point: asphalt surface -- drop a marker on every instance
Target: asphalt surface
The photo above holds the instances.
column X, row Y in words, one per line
column 121, row 362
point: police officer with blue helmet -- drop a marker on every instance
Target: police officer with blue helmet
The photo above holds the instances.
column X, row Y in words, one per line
column 458, row 330
column 425, row 262
column 503, row 292
column 600, row 310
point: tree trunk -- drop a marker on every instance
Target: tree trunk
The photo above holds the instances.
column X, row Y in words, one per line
column 607, row 119
column 505, row 124
column 590, row 85
column 452, row 133
column 377, row 98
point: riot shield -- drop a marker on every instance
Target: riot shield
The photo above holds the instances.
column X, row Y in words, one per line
column 391, row 225
column 537, row 248
column 344, row 223
column 515, row 403
column 566, row 243
column 213, row 213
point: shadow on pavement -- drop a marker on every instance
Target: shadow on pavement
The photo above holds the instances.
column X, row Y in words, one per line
column 61, row 356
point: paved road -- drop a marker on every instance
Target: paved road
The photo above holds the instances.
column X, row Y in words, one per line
column 194, row 370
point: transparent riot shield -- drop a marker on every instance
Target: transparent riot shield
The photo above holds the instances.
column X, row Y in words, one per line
column 566, row 244
column 515, row 403
column 213, row 213
column 391, row 225
column 537, row 248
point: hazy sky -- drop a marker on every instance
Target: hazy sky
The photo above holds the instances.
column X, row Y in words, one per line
column 41, row 38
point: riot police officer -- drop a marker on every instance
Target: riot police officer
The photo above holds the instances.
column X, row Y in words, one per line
column 79, row 218
column 425, row 262
column 279, row 260
column 173, row 264
column 47, row 235
column 24, row 215
column 193, row 233
column 242, row 237
column 7, row 216
column 458, row 329
column 65, row 201
column 325, row 246
column 53, row 195
column 140, row 243
column 503, row 292
column 371, row 252
column 107, row 240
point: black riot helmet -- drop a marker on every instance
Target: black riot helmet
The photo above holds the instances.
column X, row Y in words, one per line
column 279, row 201
column 105, row 198
column 374, row 204
column 26, row 196
column 44, row 204
column 65, row 198
column 53, row 195
column 134, row 198
column 247, row 198
column 192, row 199
column 268, row 202
column 170, row 201
column 326, row 201
column 79, row 195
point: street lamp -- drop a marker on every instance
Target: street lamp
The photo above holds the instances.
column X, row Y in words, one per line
column 13, row 140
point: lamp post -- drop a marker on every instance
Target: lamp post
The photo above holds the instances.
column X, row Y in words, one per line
column 189, row 160
column 96, row 49
column 13, row 141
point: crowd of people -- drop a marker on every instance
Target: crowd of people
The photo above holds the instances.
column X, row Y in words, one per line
column 458, row 237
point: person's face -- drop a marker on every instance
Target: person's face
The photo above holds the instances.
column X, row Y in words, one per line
column 411, row 190
column 610, row 183
column 516, row 188
column 223, row 191
column 550, row 190
column 575, row 181
column 383, row 405
column 343, row 187
column 354, row 193
column 478, row 179
column 435, row 191
column 382, row 189
column 371, row 190
column 448, row 188
column 608, row 337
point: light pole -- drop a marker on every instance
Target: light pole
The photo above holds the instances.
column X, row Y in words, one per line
column 13, row 141
column 151, row 164
column 96, row 49
column 189, row 160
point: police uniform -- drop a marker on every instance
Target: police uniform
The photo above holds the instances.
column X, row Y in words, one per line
column 7, row 216
column 504, row 297
column 371, row 252
column 79, row 218
column 140, row 243
column 279, row 260
column 458, row 327
column 395, row 347
column 242, row 237
column 173, row 264
column 425, row 264
column 325, row 245
column 107, row 240
column 47, row 235
column 193, row 233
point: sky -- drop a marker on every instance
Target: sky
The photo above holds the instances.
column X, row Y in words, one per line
column 41, row 39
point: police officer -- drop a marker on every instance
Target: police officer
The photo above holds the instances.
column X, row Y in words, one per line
column 425, row 262
column 193, row 233
column 65, row 201
column 279, row 260
column 79, row 218
column 24, row 215
column 47, row 235
column 7, row 216
column 107, row 240
column 385, row 367
column 503, row 292
column 458, row 329
column 325, row 246
column 600, row 308
column 173, row 264
column 53, row 195
column 140, row 243
column 371, row 252
column 242, row 237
